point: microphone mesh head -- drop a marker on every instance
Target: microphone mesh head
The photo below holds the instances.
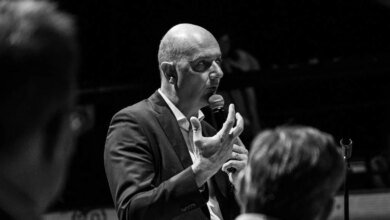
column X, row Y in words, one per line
column 216, row 101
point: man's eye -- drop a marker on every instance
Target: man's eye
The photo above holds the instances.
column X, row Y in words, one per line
column 202, row 66
column 219, row 62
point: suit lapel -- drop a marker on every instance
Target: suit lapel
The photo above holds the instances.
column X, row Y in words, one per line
column 221, row 182
column 220, row 179
column 171, row 129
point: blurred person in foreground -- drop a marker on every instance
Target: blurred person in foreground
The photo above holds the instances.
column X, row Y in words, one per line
column 293, row 173
column 162, row 160
column 38, row 59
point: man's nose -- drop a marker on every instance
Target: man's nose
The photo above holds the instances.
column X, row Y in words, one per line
column 216, row 71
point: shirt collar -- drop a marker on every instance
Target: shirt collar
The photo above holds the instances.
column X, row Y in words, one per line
column 181, row 119
column 254, row 216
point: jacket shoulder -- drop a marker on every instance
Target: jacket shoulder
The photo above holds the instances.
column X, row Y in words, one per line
column 138, row 110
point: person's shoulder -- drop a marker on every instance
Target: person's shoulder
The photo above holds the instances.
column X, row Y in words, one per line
column 251, row 63
column 244, row 54
column 136, row 110
column 140, row 106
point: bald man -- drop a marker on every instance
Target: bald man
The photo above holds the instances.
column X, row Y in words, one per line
column 162, row 160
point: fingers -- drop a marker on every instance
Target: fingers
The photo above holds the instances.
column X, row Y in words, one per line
column 228, row 133
column 237, row 156
column 238, row 160
column 240, row 149
column 229, row 123
column 237, row 130
column 196, row 127
column 236, row 164
column 238, row 141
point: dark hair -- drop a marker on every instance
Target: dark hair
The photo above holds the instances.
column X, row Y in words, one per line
column 38, row 59
column 292, row 173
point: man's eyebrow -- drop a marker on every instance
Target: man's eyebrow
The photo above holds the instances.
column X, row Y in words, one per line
column 215, row 56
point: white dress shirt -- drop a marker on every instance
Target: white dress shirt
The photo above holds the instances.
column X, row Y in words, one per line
column 254, row 216
column 184, row 124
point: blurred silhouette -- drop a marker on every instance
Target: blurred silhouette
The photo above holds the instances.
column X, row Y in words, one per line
column 293, row 173
column 239, row 61
column 38, row 59
column 379, row 168
column 384, row 2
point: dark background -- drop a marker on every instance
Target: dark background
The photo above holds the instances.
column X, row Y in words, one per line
column 323, row 64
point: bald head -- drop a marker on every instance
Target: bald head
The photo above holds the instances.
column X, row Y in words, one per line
column 182, row 40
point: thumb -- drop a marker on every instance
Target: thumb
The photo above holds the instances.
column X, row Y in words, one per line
column 196, row 127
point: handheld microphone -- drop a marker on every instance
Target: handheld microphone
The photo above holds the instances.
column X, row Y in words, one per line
column 216, row 104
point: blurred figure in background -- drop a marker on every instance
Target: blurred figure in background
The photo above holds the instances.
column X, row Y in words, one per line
column 235, row 58
column 239, row 61
column 293, row 173
column 38, row 59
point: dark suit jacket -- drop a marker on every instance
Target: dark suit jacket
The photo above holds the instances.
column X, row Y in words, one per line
column 148, row 167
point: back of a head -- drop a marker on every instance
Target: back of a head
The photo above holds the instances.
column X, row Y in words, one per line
column 292, row 173
column 38, row 59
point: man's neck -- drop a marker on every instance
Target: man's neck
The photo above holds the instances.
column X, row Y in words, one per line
column 188, row 110
column 186, row 107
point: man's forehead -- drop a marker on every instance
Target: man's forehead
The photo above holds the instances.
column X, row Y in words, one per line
column 199, row 38
column 209, row 53
column 199, row 46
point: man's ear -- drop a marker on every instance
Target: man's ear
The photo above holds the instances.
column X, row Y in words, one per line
column 169, row 72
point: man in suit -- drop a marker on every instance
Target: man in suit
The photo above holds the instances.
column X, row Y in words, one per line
column 162, row 160
column 293, row 173
column 38, row 60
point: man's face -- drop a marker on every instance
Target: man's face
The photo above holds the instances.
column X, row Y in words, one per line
column 199, row 71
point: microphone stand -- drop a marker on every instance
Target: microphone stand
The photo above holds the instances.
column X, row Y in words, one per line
column 347, row 152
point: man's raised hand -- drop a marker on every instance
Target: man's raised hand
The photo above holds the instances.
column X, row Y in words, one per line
column 212, row 152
